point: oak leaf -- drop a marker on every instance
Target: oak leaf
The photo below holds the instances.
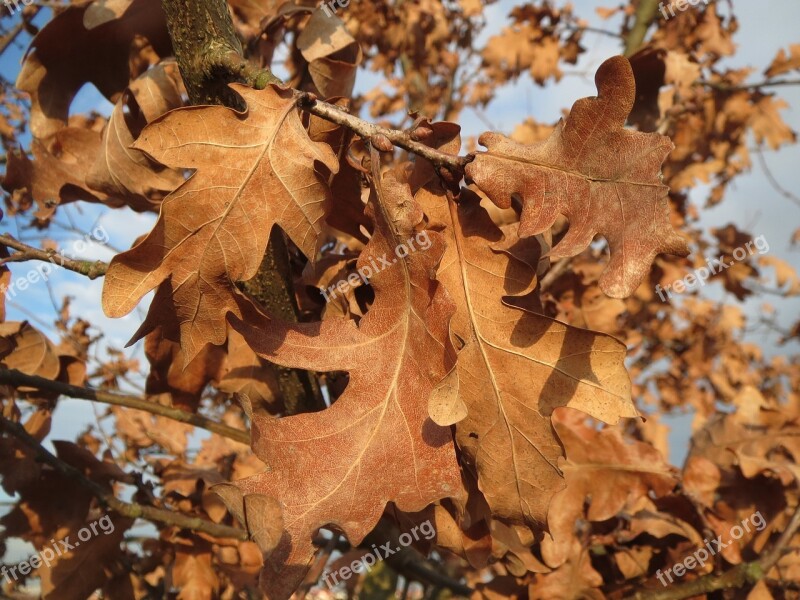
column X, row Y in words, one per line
column 254, row 170
column 576, row 579
column 58, row 172
column 193, row 572
column 783, row 62
column 333, row 54
column 75, row 574
column 516, row 367
column 603, row 178
column 759, row 438
column 25, row 348
column 98, row 52
column 380, row 424
column 628, row 470
column 122, row 171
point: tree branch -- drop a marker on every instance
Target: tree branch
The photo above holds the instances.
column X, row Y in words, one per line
column 645, row 14
column 724, row 87
column 370, row 131
column 91, row 269
column 208, row 52
column 409, row 563
column 17, row 378
column 109, row 501
column 555, row 271
column 19, row 27
column 736, row 577
column 605, row 32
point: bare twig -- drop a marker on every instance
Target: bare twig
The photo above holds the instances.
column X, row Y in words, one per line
column 605, row 32
column 409, row 563
column 18, row 28
column 369, row 131
column 91, row 269
column 556, row 271
column 774, row 182
column 724, row 87
column 16, row 379
column 108, row 500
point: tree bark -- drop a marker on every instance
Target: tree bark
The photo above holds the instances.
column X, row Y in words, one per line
column 208, row 52
column 209, row 56
column 645, row 14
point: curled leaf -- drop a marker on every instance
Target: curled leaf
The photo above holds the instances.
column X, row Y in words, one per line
column 605, row 179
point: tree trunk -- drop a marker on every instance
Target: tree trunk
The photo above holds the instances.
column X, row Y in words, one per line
column 209, row 56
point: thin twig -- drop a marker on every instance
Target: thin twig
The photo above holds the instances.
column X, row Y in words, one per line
column 108, row 500
column 605, row 32
column 556, row 271
column 724, row 87
column 91, row 269
column 17, row 379
column 12, row 34
column 369, row 131
column 409, row 563
column 774, row 182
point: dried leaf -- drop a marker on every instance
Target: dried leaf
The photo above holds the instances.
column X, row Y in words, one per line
column 57, row 174
column 26, row 349
column 332, row 53
column 628, row 471
column 516, row 367
column 122, row 171
column 379, row 425
column 214, row 229
column 53, row 72
column 603, row 178
column 783, row 62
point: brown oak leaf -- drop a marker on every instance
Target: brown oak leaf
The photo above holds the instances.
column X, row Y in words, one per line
column 627, row 470
column 254, row 170
column 25, row 348
column 605, row 179
column 333, row 54
column 97, row 53
column 125, row 172
column 783, row 62
column 380, row 424
column 58, row 172
column 516, row 367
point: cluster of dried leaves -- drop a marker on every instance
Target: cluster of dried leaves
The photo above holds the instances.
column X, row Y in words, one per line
column 492, row 383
